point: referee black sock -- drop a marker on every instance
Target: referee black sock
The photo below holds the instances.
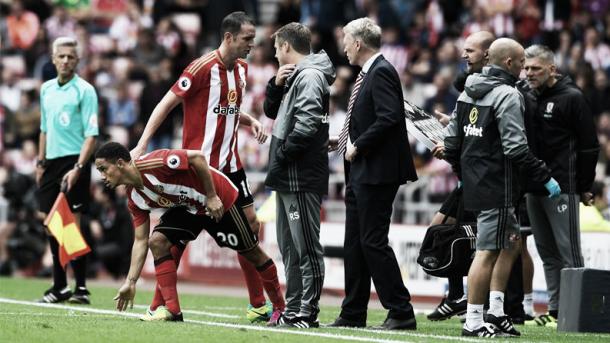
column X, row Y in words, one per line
column 59, row 274
column 79, row 266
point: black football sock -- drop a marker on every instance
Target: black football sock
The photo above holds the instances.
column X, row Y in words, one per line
column 79, row 266
column 59, row 274
column 456, row 288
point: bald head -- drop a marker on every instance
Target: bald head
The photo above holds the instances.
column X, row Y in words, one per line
column 507, row 54
column 482, row 39
column 475, row 50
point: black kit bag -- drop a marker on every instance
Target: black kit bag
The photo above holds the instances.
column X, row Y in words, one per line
column 448, row 249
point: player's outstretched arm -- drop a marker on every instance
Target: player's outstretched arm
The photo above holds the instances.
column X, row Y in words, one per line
column 257, row 128
column 213, row 202
column 127, row 292
column 169, row 101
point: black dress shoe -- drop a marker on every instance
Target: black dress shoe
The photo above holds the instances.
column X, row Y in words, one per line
column 398, row 324
column 341, row 322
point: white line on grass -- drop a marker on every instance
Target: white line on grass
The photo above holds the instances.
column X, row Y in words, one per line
column 237, row 308
column 249, row 327
column 201, row 313
column 406, row 333
column 229, row 308
column 44, row 314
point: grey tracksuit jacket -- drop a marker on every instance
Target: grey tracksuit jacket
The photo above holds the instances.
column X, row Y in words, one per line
column 298, row 156
column 485, row 141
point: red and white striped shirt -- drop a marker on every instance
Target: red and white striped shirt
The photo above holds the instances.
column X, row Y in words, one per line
column 211, row 99
column 169, row 181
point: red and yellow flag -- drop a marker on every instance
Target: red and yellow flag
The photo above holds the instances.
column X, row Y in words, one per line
column 63, row 227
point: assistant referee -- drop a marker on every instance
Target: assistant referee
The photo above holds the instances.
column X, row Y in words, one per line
column 68, row 130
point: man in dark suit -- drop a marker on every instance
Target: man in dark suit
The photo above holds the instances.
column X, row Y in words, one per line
column 378, row 160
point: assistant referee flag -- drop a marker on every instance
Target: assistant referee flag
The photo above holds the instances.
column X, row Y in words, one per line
column 62, row 225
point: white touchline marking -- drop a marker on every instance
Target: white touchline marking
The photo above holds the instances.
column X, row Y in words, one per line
column 227, row 308
column 251, row 327
column 226, row 325
column 44, row 314
column 201, row 313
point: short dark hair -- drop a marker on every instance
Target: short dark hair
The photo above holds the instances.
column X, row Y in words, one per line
column 233, row 21
column 297, row 35
column 112, row 151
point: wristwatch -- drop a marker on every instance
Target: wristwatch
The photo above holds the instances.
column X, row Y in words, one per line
column 78, row 166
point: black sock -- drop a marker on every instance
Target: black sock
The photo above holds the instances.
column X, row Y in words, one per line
column 554, row 313
column 79, row 266
column 456, row 288
column 59, row 274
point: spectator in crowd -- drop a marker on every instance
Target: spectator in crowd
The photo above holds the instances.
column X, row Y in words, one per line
column 444, row 94
column 68, row 131
column 159, row 81
column 125, row 27
column 566, row 141
column 60, row 24
column 147, row 52
column 122, row 110
column 592, row 218
column 10, row 92
column 288, row 11
column 22, row 240
column 412, row 89
column 600, row 101
column 23, row 125
column 297, row 98
column 596, row 52
column 22, row 26
column 168, row 36
column 112, row 230
column 527, row 20
column 395, row 52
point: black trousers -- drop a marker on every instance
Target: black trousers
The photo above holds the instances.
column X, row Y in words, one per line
column 368, row 254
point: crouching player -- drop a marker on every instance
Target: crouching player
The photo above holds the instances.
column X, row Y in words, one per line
column 197, row 197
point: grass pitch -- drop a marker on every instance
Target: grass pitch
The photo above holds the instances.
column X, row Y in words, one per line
column 207, row 319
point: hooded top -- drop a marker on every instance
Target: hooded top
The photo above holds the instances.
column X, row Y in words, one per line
column 298, row 156
column 486, row 139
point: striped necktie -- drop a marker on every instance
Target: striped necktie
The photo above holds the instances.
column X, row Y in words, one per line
column 345, row 131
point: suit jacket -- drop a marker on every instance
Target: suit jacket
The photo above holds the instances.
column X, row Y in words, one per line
column 379, row 131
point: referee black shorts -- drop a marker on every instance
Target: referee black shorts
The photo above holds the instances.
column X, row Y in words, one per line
column 233, row 231
column 79, row 196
